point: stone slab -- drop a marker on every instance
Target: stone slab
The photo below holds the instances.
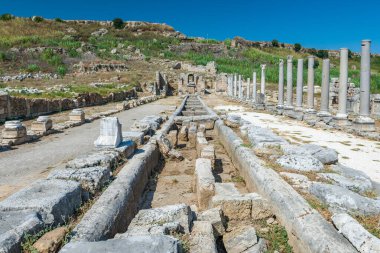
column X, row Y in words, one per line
column 202, row 238
column 137, row 137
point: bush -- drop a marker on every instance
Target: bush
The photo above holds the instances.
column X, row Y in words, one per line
column 31, row 68
column 349, row 53
column 275, row 43
column 59, row 20
column 297, row 47
column 118, row 23
column 38, row 19
column 61, row 70
column 6, row 17
column 3, row 56
column 322, row 54
column 50, row 57
column 228, row 42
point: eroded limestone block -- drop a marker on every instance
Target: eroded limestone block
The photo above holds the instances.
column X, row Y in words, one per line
column 110, row 133
column 180, row 213
column 135, row 244
column 141, row 127
column 264, row 138
column 42, row 125
column 208, row 152
column 297, row 180
column 204, row 182
column 54, row 199
column 324, row 155
column 201, row 144
column 300, row 163
column 77, row 115
column 164, row 144
column 235, row 207
column 355, row 175
column 226, row 189
column 192, row 135
column 232, row 120
column 202, row 128
column 240, row 239
column 202, row 238
column 216, row 218
column 164, row 229
column 137, row 137
column 172, row 137
column 261, row 208
column 362, row 240
column 107, row 158
column 14, row 133
column 350, row 184
column 182, row 136
column 340, row 199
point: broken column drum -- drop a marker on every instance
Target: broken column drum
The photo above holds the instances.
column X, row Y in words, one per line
column 324, row 110
column 299, row 85
column 280, row 104
column 289, row 83
column 310, row 85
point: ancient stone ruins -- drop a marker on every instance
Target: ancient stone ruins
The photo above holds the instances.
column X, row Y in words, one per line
column 207, row 174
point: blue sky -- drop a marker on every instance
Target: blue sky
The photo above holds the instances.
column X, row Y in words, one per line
column 327, row 24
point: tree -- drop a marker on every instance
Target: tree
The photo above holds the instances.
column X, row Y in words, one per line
column 6, row 17
column 118, row 23
column 322, row 54
column 275, row 43
column 349, row 53
column 297, row 47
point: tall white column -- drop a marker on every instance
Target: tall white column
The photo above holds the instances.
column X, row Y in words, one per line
column 235, row 85
column 248, row 91
column 299, row 92
column 254, row 89
column 281, row 85
column 310, row 84
column 365, row 77
column 262, row 90
column 240, row 88
column 289, row 82
column 343, row 79
column 324, row 111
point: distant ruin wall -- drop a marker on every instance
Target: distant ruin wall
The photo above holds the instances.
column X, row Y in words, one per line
column 20, row 108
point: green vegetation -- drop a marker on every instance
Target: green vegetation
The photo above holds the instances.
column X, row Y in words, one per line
column 275, row 43
column 6, row 17
column 30, row 239
column 32, row 68
column 297, row 47
column 38, row 19
column 118, row 23
column 58, row 20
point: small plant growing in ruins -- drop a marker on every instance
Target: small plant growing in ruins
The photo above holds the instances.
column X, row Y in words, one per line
column 31, row 68
column 30, row 239
column 61, row 70
column 118, row 23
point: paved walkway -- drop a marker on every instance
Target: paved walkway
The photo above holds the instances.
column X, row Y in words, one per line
column 29, row 162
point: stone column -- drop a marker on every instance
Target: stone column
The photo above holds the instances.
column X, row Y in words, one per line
column 248, row 90
column 230, row 85
column 240, row 88
column 324, row 110
column 254, row 88
column 310, row 85
column 179, row 87
column 280, row 104
column 364, row 122
column 289, row 83
column 235, row 85
column 299, row 91
column 262, row 89
column 341, row 116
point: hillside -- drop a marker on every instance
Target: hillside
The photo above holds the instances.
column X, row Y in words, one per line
column 56, row 47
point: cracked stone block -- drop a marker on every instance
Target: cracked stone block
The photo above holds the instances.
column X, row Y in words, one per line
column 208, row 152
column 261, row 208
column 216, row 218
column 226, row 189
column 204, row 182
column 240, row 239
column 137, row 137
column 300, row 163
column 235, row 207
column 172, row 137
column 56, row 200
column 182, row 136
column 110, row 133
column 202, row 238
column 107, row 158
column 297, row 180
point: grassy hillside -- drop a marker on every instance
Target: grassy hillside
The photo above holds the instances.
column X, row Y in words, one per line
column 76, row 39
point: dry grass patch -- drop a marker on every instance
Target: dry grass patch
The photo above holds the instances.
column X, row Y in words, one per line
column 317, row 205
column 370, row 223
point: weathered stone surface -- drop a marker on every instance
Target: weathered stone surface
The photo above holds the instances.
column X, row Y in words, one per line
column 126, row 148
column 175, row 154
column 259, row 247
column 51, row 241
column 297, row 180
column 154, row 121
column 201, row 143
column 232, row 120
column 91, row 179
column 172, row 137
column 54, row 199
column 262, row 138
column 300, row 163
column 216, row 218
column 202, row 128
column 324, row 155
column 164, row 144
column 208, row 152
column 164, row 229
column 192, row 135
column 182, row 136
column 137, row 137
column 204, row 182
column 350, row 184
column 362, row 240
column 260, row 207
column 240, row 239
column 77, row 115
column 225, row 189
column 202, row 238
column 180, row 213
column 141, row 127
column 110, row 133
column 235, row 207
column 105, row 158
column 135, row 244
column 14, row 225
column 354, row 175
column 340, row 199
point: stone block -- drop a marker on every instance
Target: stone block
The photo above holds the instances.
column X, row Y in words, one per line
column 155, row 229
column 56, row 200
column 172, row 137
column 296, row 180
column 226, row 189
column 91, row 179
column 107, row 158
column 202, row 238
column 300, row 163
column 261, row 208
column 141, row 127
column 204, row 182
column 208, row 152
column 77, row 115
column 137, row 137
column 135, row 244
column 324, row 155
column 51, row 241
column 364, row 124
column 201, row 143
column 42, row 125
column 202, row 128
column 192, row 135
column 182, row 136
column 216, row 218
column 13, row 130
column 235, row 207
column 241, row 239
column 110, row 133
column 233, row 120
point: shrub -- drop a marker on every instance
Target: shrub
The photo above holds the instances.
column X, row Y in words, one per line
column 59, row 20
column 118, row 23
column 50, row 57
column 31, row 68
column 3, row 56
column 275, row 43
column 297, row 47
column 349, row 53
column 6, row 17
column 38, row 19
column 322, row 54
column 61, row 70
column 228, row 42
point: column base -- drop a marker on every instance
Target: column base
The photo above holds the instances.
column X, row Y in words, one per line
column 259, row 106
column 364, row 123
column 326, row 117
column 279, row 109
column 341, row 120
column 310, row 117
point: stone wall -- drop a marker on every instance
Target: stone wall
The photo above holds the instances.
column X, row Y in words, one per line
column 18, row 107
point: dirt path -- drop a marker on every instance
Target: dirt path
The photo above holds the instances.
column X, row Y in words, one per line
column 29, row 162
column 355, row 152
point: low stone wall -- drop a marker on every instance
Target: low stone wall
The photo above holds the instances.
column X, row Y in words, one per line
column 308, row 231
column 20, row 108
